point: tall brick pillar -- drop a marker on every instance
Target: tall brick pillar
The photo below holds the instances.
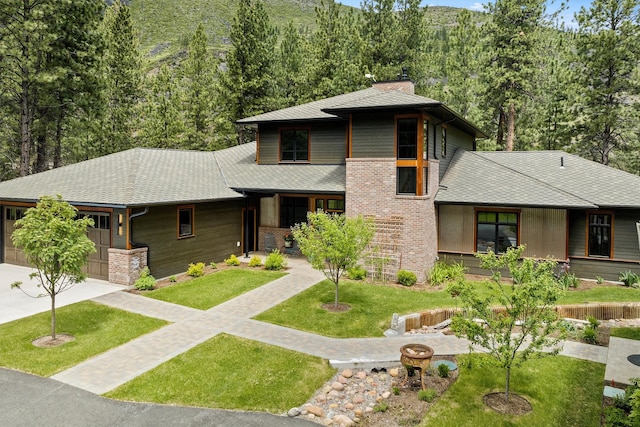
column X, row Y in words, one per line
column 125, row 265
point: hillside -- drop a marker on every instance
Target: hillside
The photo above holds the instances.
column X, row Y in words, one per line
column 164, row 26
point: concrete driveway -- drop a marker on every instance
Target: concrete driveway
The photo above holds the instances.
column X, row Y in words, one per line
column 14, row 304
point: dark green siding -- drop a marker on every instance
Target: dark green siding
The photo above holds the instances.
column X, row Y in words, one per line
column 119, row 241
column 625, row 240
column 577, row 233
column 456, row 139
column 218, row 226
column 327, row 142
column 373, row 136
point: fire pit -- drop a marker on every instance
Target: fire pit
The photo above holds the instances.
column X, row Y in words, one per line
column 415, row 356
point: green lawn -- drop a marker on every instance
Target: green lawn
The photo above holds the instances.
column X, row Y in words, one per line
column 208, row 291
column 372, row 306
column 96, row 327
column 231, row 373
column 628, row 333
column 562, row 391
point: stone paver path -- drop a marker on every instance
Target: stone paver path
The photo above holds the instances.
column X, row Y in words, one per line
column 192, row 327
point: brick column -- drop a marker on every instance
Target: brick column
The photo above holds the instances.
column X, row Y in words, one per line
column 125, row 265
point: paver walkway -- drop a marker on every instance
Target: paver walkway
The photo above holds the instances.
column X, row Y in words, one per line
column 192, row 327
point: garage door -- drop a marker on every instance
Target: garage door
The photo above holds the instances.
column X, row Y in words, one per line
column 100, row 235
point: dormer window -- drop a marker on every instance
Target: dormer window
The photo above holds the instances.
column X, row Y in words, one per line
column 294, row 145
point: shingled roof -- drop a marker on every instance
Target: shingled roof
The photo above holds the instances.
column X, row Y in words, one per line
column 536, row 179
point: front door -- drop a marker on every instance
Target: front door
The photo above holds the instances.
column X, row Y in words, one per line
column 249, row 230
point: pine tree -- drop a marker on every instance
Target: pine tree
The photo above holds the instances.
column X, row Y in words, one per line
column 607, row 55
column 198, row 71
column 123, row 80
column 513, row 41
column 293, row 58
column 247, row 85
column 163, row 125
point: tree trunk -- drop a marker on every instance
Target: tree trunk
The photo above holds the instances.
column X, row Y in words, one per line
column 506, row 393
column 53, row 316
column 25, row 125
column 511, row 127
column 335, row 303
column 500, row 133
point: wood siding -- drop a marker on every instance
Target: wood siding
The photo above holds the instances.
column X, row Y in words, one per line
column 542, row 230
column 218, row 226
column 625, row 236
column 456, row 139
column 373, row 136
column 327, row 142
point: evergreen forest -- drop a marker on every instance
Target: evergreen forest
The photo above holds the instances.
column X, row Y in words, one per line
column 85, row 78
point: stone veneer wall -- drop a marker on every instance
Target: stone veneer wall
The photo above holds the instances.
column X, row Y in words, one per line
column 125, row 265
column 406, row 225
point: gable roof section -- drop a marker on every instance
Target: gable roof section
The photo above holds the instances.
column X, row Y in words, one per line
column 536, row 179
column 136, row 177
column 243, row 173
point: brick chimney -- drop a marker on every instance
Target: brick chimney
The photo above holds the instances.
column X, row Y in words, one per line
column 403, row 84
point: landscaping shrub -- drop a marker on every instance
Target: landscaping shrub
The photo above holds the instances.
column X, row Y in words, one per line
column 357, row 273
column 569, row 280
column 623, row 413
column 442, row 273
column 427, row 395
column 255, row 261
column 629, row 278
column 213, row 265
column 443, row 371
column 196, row 270
column 232, row 260
column 275, row 261
column 173, row 279
column 407, row 278
column 146, row 281
column 590, row 332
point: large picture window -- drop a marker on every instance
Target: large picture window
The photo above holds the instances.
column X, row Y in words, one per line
column 600, row 235
column 185, row 221
column 294, row 145
column 293, row 210
column 496, row 231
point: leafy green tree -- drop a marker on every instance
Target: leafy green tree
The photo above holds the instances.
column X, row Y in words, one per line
column 198, row 70
column 516, row 321
column 247, row 85
column 333, row 243
column 123, row 78
column 55, row 242
column 163, row 125
column 607, row 55
column 513, row 36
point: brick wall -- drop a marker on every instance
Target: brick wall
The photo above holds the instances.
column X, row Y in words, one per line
column 406, row 225
column 125, row 265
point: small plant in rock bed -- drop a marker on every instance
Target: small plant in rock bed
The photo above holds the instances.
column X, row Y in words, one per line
column 357, row 273
column 427, row 395
column 590, row 332
column 255, row 261
column 599, row 280
column 443, row 370
column 213, row 265
column 146, row 281
column 395, row 391
column 407, row 278
column 196, row 270
column 173, row 279
column 381, row 407
column 275, row 261
column 232, row 260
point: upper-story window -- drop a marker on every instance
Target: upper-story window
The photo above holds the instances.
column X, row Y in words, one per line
column 407, row 138
column 600, row 234
column 294, row 145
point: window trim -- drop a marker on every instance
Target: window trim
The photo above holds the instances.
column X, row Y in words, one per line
column 476, row 211
column 295, row 129
column 192, row 210
column 420, row 162
column 610, row 227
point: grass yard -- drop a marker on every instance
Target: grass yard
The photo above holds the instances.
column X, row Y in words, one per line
column 213, row 289
column 372, row 306
column 628, row 333
column 96, row 327
column 550, row 384
column 231, row 373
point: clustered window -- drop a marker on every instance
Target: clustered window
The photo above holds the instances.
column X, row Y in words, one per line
column 330, row 205
column 294, row 145
column 185, row 221
column 14, row 214
column 600, row 235
column 100, row 221
column 496, row 231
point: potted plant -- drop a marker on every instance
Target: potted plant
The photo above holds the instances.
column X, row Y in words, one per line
column 288, row 240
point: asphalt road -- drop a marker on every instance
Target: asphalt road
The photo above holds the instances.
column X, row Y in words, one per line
column 29, row 400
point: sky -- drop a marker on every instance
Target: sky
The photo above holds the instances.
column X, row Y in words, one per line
column 552, row 6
